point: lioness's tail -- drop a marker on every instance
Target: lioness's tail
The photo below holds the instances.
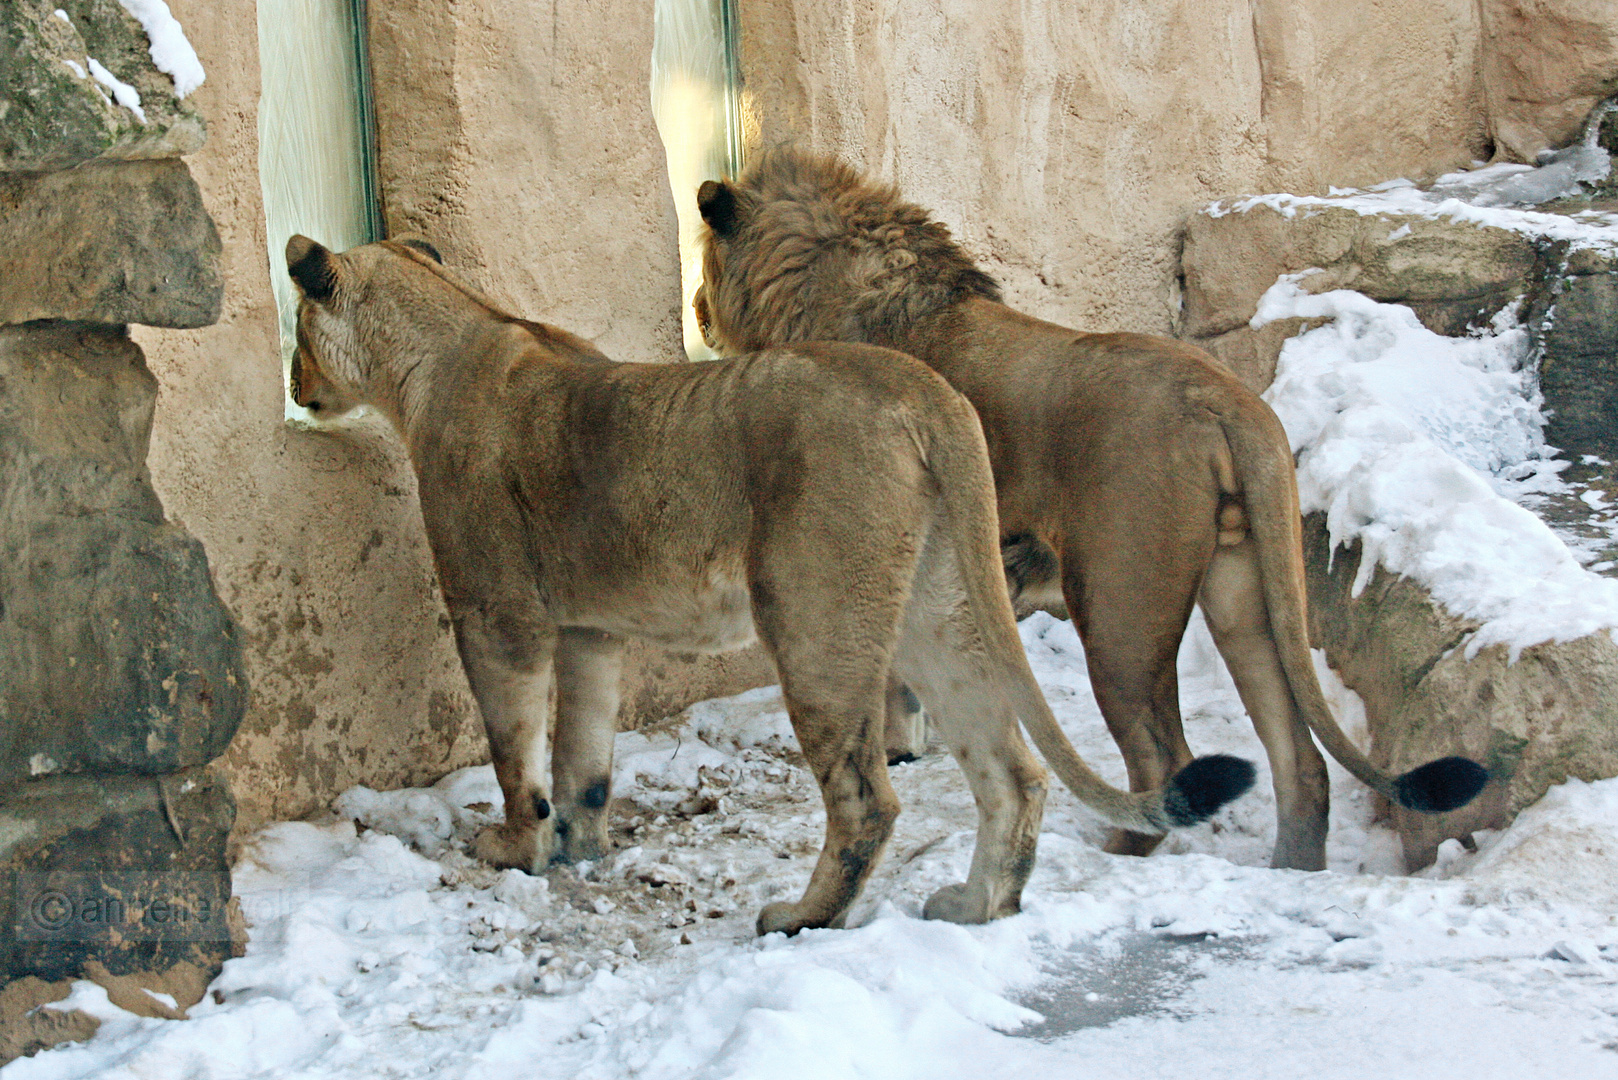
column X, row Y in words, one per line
column 1264, row 472
column 1192, row 795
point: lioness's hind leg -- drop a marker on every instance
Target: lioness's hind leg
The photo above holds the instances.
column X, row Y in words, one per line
column 588, row 664
column 509, row 662
column 1233, row 601
column 840, row 741
column 828, row 614
column 941, row 655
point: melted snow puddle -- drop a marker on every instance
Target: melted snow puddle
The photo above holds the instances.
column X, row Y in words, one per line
column 1102, row 982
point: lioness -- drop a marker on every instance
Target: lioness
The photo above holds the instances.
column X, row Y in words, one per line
column 1135, row 474
column 836, row 500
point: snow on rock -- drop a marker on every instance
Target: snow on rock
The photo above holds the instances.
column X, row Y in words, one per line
column 1491, row 195
column 1417, row 445
column 126, row 95
column 172, row 53
column 383, row 949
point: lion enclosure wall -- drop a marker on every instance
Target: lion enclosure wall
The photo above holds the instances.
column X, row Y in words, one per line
column 1064, row 140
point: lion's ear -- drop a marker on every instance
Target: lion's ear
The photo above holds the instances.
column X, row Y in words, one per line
column 311, row 266
column 421, row 244
column 719, row 205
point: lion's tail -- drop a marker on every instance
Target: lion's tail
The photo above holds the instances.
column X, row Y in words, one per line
column 1193, row 794
column 1265, row 475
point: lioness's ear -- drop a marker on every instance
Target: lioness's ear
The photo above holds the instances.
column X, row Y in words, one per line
column 421, row 244
column 311, row 267
column 717, row 201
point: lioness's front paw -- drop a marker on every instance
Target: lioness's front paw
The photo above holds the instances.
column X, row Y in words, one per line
column 526, row 847
column 780, row 916
column 956, row 904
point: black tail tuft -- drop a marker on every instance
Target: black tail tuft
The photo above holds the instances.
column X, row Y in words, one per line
column 1205, row 785
column 1442, row 785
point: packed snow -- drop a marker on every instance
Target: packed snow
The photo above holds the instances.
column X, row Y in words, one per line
column 171, row 51
column 379, row 948
column 1423, row 447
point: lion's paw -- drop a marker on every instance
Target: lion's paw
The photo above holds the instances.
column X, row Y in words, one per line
column 518, row 846
column 956, row 904
column 583, row 838
column 779, row 916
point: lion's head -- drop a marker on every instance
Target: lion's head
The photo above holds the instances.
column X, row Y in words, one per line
column 803, row 248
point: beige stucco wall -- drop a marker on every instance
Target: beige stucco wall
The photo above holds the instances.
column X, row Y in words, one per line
column 1065, row 141
column 525, row 146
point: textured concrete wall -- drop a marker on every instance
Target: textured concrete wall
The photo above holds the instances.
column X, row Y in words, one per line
column 1064, row 141
column 521, row 139
column 314, row 538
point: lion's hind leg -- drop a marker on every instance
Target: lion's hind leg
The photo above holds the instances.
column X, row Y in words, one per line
column 1233, row 600
column 829, row 623
column 943, row 657
column 1130, row 578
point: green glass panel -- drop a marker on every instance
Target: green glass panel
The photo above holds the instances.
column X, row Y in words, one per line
column 314, row 139
column 695, row 104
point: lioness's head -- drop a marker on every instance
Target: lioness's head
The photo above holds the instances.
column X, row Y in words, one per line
column 331, row 367
column 803, row 248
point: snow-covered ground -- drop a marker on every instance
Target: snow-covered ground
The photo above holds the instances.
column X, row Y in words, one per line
column 373, row 955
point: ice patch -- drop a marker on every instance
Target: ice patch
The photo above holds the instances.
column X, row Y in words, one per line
column 1416, row 444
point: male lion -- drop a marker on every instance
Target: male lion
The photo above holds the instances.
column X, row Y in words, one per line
column 1135, row 474
column 836, row 500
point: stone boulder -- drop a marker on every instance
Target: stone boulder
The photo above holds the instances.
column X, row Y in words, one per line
column 121, row 880
column 119, row 242
column 115, row 654
column 125, row 871
column 1544, row 64
column 1551, row 714
column 1578, row 344
column 1453, row 275
column 54, row 110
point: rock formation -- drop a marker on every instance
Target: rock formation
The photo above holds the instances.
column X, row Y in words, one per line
column 1551, row 712
column 121, row 676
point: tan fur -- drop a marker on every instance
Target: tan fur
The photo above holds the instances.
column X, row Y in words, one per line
column 836, row 500
column 1136, row 471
